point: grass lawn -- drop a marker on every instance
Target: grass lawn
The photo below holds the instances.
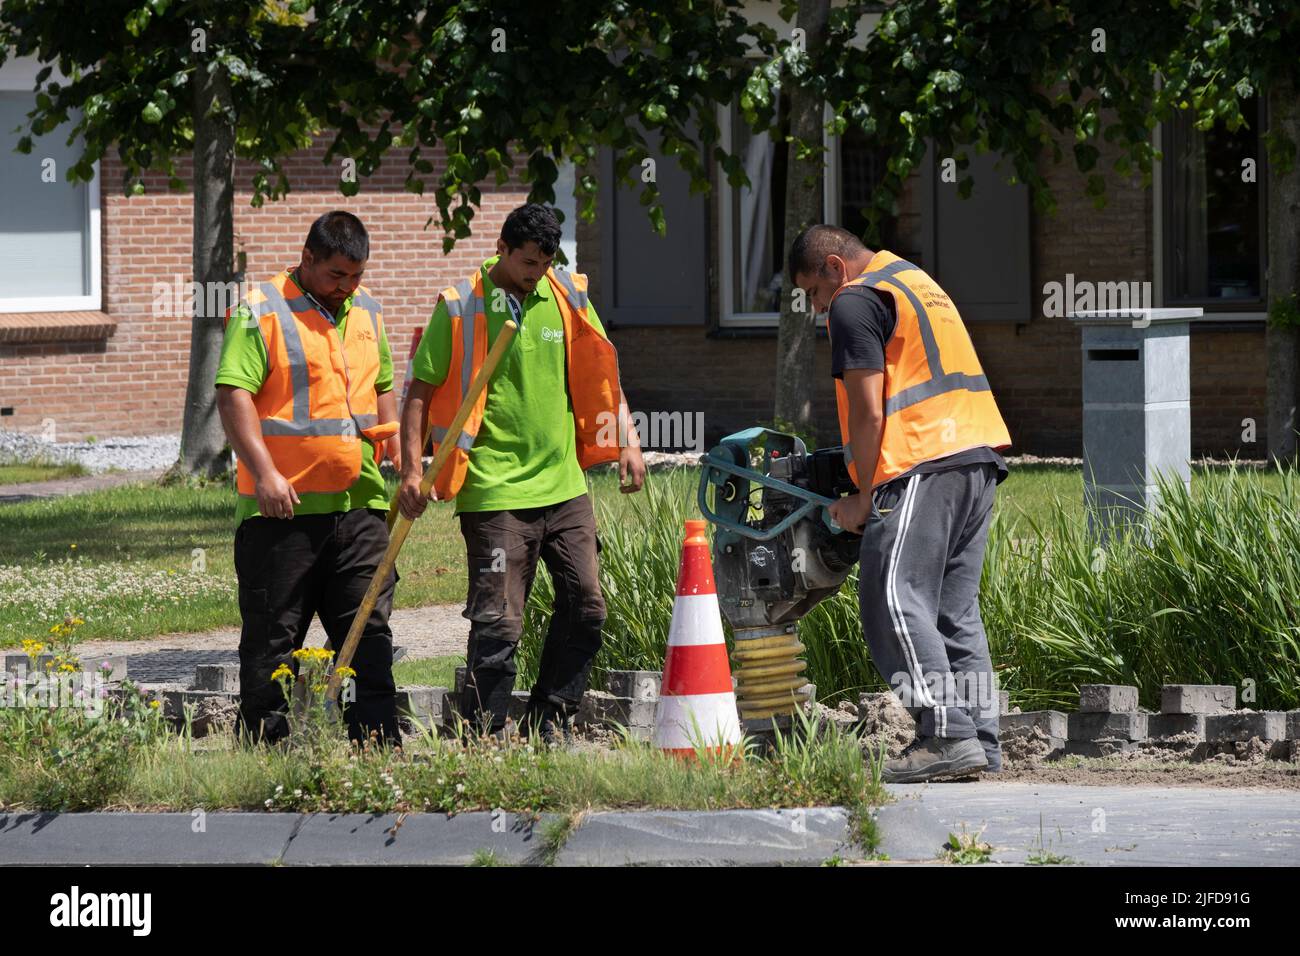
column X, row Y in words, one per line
column 139, row 560
column 428, row 671
column 143, row 559
column 21, row 474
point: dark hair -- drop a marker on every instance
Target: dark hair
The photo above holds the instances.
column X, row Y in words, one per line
column 341, row 233
column 810, row 248
column 532, row 223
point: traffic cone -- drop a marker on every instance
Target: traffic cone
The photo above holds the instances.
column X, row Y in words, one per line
column 697, row 704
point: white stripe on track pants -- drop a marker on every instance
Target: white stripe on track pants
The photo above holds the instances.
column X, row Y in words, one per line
column 922, row 552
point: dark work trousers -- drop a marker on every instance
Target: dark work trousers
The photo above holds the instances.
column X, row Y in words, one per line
column 292, row 569
column 922, row 553
column 502, row 548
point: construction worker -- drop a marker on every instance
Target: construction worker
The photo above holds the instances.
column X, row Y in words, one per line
column 921, row 433
column 304, row 389
column 552, row 409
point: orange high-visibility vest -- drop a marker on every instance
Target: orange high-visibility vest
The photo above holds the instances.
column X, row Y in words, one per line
column 591, row 368
column 937, row 399
column 319, row 394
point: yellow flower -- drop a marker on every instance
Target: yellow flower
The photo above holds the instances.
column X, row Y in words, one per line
column 73, row 546
column 346, row 672
column 67, row 668
column 282, row 672
column 155, row 704
column 56, row 628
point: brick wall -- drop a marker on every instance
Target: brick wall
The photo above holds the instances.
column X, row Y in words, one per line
column 134, row 382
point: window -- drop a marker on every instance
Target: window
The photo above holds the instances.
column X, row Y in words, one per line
column 49, row 229
column 861, row 167
column 1213, row 242
column 753, row 242
column 756, row 224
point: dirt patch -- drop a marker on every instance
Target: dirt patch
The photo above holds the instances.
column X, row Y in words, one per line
column 1026, row 744
column 876, row 718
column 1179, row 762
column 213, row 715
column 1129, row 770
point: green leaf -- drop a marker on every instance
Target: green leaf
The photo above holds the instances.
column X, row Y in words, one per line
column 654, row 113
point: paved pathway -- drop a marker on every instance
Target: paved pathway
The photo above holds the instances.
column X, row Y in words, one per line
column 1125, row 826
column 27, row 491
column 437, row 630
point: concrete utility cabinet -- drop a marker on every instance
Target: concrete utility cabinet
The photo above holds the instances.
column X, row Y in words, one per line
column 1136, row 408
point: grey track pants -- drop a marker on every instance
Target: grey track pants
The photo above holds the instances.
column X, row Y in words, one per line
column 922, row 552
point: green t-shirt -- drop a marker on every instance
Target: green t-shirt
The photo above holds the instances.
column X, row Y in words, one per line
column 525, row 454
column 244, row 365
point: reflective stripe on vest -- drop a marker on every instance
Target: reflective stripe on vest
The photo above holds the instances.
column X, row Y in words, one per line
column 466, row 308
column 939, row 381
column 915, row 358
column 300, row 375
column 594, row 394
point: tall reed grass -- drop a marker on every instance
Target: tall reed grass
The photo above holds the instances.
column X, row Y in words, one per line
column 1206, row 591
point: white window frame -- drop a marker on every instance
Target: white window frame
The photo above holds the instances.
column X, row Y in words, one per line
column 1158, row 243
column 19, row 75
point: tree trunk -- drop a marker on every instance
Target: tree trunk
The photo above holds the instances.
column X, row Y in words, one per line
column 202, row 439
column 1283, row 274
column 797, row 336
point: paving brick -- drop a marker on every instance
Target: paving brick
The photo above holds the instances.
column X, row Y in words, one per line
column 607, row 710
column 422, row 702
column 1293, row 725
column 175, row 698
column 1198, row 699
column 1245, row 724
column 518, row 704
column 1108, row 698
column 450, row 708
column 223, row 677
column 638, row 685
column 1052, row 723
column 1093, row 726
column 1160, row 726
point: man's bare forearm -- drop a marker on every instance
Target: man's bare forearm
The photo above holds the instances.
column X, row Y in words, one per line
column 865, row 433
column 244, row 430
column 386, row 406
column 414, row 416
column 626, row 427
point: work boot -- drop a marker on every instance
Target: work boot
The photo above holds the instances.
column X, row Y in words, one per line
column 548, row 721
column 935, row 758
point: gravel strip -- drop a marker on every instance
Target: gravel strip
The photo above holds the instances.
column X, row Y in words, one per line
column 124, row 453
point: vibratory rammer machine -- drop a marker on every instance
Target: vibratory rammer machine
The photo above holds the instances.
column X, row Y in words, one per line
column 776, row 554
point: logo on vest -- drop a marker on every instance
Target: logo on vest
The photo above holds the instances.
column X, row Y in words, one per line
column 552, row 335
